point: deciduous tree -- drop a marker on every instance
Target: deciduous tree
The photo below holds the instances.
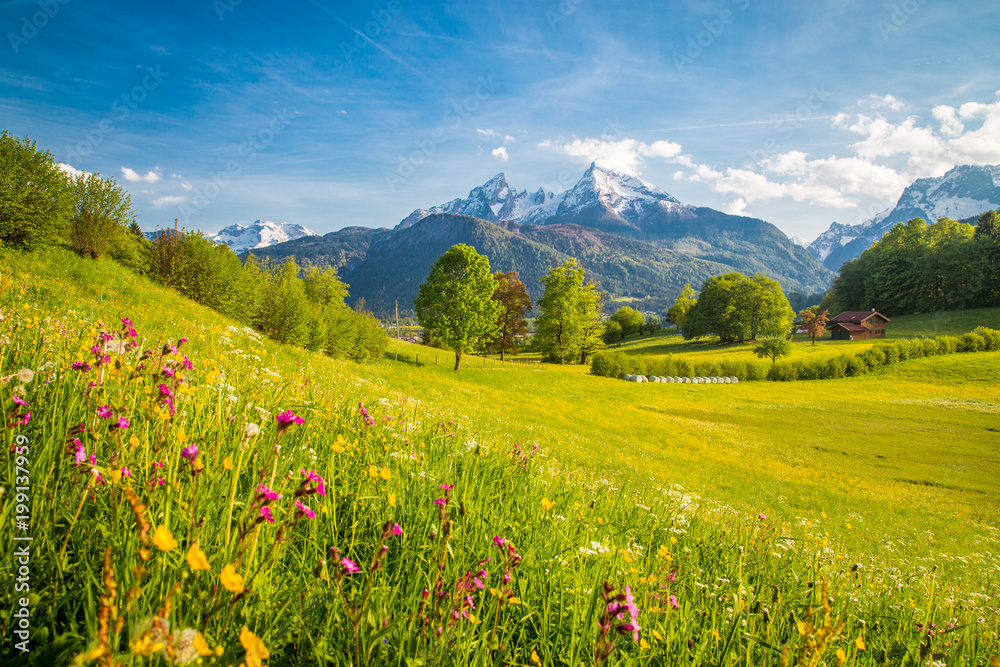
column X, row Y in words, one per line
column 569, row 320
column 773, row 348
column 36, row 199
column 514, row 302
column 815, row 324
column 101, row 217
column 682, row 305
column 456, row 300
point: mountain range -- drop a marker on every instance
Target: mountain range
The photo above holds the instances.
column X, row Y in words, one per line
column 260, row 234
column 639, row 241
column 961, row 194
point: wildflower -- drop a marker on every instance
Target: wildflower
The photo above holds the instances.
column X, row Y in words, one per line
column 397, row 530
column 25, row 375
column 644, row 644
column 447, row 487
column 133, row 440
column 314, row 477
column 441, row 502
column 762, row 516
column 385, row 474
column 673, row 602
column 251, row 430
column 122, row 423
column 658, row 636
column 184, row 651
column 256, row 651
column 267, row 492
column 633, row 611
column 196, row 558
column 190, row 452
column 201, row 645
column 153, row 633
column 305, row 509
column 266, row 513
column 81, row 366
column 126, row 472
column 227, row 463
column 547, row 504
column 80, row 453
column 231, row 579
column 104, row 411
column 392, row 500
column 163, row 538
column 286, row 419
column 859, row 643
column 349, row 565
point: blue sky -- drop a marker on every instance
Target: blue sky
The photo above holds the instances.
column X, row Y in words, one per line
column 333, row 114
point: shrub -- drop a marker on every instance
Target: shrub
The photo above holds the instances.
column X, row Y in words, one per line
column 971, row 342
column 854, row 366
column 736, row 369
column 756, row 370
column 872, row 358
column 36, row 198
column 685, row 369
column 783, row 372
column 990, row 336
column 930, row 347
column 807, row 370
column 890, row 354
column 834, row 368
column 947, row 344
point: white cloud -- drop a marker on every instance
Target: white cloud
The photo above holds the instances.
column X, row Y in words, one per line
column 946, row 116
column 169, row 200
column 874, row 101
column 500, row 153
column 736, row 207
column 508, row 139
column 626, row 155
column 132, row 177
column 69, row 169
column 488, row 132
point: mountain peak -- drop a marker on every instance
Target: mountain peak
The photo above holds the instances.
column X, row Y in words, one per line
column 259, row 234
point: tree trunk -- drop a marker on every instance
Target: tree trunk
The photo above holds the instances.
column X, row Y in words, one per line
column 458, row 358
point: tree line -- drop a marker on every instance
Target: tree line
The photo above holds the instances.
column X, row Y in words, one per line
column 918, row 267
column 41, row 204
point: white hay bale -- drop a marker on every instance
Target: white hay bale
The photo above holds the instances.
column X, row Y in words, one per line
column 736, row 380
column 627, row 377
column 727, row 380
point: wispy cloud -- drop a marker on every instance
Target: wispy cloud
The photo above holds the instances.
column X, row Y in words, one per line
column 133, row 177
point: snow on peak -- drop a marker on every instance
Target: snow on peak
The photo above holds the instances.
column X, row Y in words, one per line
column 259, row 234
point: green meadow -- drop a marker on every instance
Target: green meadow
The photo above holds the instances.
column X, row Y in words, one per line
column 849, row 521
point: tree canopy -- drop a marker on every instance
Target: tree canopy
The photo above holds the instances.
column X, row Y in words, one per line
column 682, row 306
column 514, row 301
column 629, row 319
column 918, row 267
column 36, row 197
column 456, row 301
column 569, row 320
column 736, row 309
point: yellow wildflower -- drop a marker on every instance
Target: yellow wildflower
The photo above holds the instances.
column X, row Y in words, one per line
column 372, row 471
column 163, row 539
column 658, row 636
column 201, row 645
column 673, row 540
column 644, row 644
column 133, row 440
column 663, row 551
column 547, row 504
column 196, row 558
column 534, row 658
column 256, row 651
column 392, row 500
column 859, row 643
column 384, row 474
column 227, row 463
column 841, row 656
column 231, row 579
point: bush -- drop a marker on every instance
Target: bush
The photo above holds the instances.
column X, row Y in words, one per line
column 890, row 354
column 834, row 368
column 872, row 358
column 930, row 347
column 947, row 344
column 685, row 369
column 990, row 336
column 36, row 198
column 736, row 369
column 971, row 342
column 855, row 366
column 756, row 370
column 807, row 370
column 783, row 372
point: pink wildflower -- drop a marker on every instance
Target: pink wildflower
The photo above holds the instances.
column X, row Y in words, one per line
column 673, row 602
column 349, row 565
column 397, row 530
column 104, row 411
column 305, row 509
column 287, row 418
column 190, row 452
column 267, row 493
column 314, row 477
column 266, row 513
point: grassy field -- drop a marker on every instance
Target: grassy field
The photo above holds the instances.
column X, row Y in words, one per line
column 723, row 507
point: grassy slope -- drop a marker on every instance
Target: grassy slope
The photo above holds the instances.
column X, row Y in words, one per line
column 899, row 462
column 921, row 439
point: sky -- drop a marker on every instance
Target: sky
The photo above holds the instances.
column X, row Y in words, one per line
column 335, row 114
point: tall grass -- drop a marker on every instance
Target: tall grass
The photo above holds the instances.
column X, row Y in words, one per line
column 156, row 468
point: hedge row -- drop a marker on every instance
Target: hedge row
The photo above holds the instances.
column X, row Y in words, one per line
column 618, row 364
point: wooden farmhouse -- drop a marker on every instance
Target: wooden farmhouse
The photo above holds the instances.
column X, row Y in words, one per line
column 858, row 325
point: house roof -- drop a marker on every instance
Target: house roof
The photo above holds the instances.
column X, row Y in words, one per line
column 847, row 325
column 858, row 316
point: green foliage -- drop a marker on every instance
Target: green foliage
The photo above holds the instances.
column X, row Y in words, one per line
column 773, row 348
column 101, row 217
column 612, row 332
column 36, row 197
column 569, row 320
column 682, row 305
column 628, row 319
column 918, row 267
column 514, row 302
column 736, row 308
column 456, row 300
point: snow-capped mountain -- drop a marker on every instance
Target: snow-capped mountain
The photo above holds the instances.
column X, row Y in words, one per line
column 965, row 191
column 259, row 234
column 604, row 198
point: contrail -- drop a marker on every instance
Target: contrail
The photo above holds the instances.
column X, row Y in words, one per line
column 389, row 54
column 749, row 122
